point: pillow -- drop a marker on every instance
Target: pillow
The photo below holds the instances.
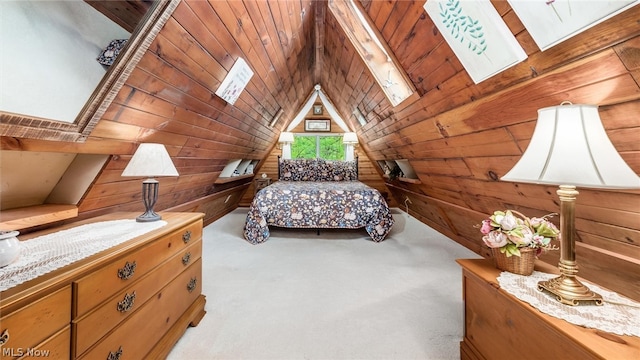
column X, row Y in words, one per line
column 336, row 170
column 349, row 170
column 109, row 54
column 318, row 170
column 324, row 170
column 298, row 170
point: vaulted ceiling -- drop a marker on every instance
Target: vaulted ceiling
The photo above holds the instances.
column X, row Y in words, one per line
column 297, row 44
column 127, row 13
column 460, row 137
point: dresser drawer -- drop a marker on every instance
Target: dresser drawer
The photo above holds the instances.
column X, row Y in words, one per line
column 137, row 335
column 95, row 324
column 56, row 347
column 32, row 324
column 110, row 279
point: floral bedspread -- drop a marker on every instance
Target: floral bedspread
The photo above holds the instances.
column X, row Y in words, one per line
column 321, row 204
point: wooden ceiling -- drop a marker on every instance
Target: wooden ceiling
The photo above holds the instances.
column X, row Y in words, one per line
column 126, row 13
column 460, row 137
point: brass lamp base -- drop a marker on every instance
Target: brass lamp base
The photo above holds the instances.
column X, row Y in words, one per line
column 568, row 290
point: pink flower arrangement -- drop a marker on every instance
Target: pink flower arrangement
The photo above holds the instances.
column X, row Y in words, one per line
column 509, row 230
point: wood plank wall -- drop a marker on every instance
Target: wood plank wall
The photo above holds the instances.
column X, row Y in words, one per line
column 126, row 13
column 457, row 135
column 367, row 172
column 169, row 98
column 461, row 137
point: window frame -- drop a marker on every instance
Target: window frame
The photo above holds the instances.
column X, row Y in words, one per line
column 317, row 143
column 373, row 50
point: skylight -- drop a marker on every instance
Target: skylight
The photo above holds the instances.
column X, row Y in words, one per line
column 372, row 50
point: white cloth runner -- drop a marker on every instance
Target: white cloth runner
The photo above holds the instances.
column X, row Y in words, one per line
column 617, row 315
column 46, row 253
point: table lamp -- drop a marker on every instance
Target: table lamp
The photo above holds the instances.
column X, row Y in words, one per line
column 570, row 147
column 285, row 140
column 350, row 139
column 150, row 160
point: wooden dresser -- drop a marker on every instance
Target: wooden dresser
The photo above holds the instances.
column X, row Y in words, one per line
column 499, row 326
column 132, row 301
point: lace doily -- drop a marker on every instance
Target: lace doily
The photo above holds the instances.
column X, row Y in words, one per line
column 617, row 315
column 46, row 253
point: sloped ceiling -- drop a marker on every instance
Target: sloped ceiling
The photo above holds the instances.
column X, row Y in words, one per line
column 318, row 96
column 126, row 13
column 460, row 137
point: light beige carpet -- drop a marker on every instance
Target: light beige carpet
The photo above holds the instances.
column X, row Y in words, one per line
column 337, row 295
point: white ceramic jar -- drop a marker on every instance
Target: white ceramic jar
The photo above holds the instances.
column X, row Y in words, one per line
column 9, row 247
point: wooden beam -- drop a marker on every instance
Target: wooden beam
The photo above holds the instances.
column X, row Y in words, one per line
column 319, row 39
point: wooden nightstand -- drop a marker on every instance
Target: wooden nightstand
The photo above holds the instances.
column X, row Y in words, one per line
column 259, row 184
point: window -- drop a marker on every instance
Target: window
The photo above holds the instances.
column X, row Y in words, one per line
column 373, row 51
column 328, row 147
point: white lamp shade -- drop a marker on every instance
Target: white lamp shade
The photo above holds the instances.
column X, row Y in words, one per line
column 150, row 160
column 286, row 137
column 570, row 146
column 350, row 138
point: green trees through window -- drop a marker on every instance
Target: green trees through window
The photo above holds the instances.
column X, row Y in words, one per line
column 317, row 146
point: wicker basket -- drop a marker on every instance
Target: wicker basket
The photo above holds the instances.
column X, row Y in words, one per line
column 522, row 264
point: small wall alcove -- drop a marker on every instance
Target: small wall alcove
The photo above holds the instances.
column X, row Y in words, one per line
column 42, row 187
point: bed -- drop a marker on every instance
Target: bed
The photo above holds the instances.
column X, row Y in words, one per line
column 318, row 194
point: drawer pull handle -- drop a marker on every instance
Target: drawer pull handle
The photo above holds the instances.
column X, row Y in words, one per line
column 192, row 284
column 4, row 337
column 115, row 355
column 127, row 303
column 127, row 271
column 186, row 236
column 186, row 258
